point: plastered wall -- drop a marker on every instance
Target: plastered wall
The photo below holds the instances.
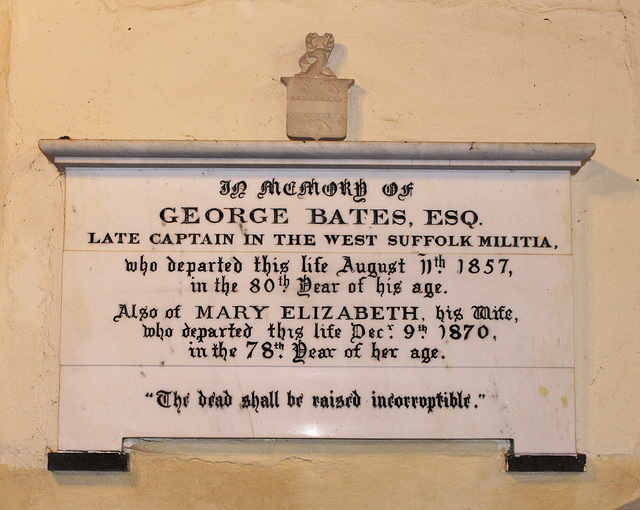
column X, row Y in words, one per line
column 434, row 70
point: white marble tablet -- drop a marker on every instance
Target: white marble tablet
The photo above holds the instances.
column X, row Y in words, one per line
column 362, row 301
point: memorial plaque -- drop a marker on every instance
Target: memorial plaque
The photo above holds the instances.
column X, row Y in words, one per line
column 318, row 290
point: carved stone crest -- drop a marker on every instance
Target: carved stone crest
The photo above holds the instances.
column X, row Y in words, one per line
column 316, row 99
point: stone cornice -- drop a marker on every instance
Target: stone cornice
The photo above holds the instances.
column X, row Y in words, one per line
column 66, row 154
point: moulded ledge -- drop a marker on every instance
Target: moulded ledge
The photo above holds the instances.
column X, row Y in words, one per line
column 119, row 461
column 66, row 153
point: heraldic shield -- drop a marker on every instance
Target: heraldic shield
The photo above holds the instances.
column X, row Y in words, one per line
column 317, row 101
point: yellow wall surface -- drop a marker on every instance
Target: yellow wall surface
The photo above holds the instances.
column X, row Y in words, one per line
column 432, row 70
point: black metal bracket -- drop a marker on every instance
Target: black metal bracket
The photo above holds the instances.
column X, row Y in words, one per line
column 88, row 461
column 536, row 463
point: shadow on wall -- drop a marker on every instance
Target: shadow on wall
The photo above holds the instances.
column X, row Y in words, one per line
column 596, row 179
column 338, row 55
column 356, row 93
column 632, row 505
column 590, row 186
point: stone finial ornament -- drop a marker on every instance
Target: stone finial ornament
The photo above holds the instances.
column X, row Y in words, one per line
column 314, row 61
column 316, row 99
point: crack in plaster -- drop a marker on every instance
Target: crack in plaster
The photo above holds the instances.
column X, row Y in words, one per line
column 149, row 5
column 11, row 122
column 630, row 39
column 294, row 458
column 206, row 461
column 4, row 70
column 8, row 454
